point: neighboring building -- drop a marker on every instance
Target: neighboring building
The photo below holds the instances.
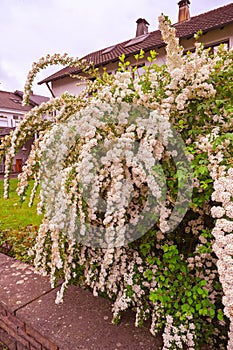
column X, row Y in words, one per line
column 217, row 27
column 11, row 112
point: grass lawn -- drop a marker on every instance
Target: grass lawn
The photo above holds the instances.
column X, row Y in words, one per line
column 18, row 223
column 16, row 215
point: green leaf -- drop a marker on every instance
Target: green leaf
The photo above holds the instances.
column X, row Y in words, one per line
column 185, row 307
column 212, row 313
column 202, row 283
column 122, row 58
column 220, row 315
column 190, row 301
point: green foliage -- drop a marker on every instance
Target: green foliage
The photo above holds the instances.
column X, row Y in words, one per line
column 123, row 65
column 198, row 35
column 17, row 243
column 181, row 294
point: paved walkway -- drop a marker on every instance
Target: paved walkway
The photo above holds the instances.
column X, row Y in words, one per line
column 30, row 319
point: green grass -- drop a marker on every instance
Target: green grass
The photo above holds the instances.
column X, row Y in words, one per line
column 13, row 213
column 18, row 223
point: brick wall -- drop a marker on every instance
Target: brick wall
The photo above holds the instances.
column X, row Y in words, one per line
column 17, row 335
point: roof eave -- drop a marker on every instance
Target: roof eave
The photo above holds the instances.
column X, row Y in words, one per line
column 205, row 31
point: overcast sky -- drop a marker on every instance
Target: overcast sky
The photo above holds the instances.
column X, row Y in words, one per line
column 30, row 29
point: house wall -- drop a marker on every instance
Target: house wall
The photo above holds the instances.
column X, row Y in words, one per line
column 20, row 158
column 9, row 118
column 210, row 38
column 67, row 84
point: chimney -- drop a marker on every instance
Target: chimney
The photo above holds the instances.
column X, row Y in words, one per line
column 142, row 27
column 184, row 14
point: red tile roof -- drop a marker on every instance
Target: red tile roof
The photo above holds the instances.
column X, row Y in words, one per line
column 206, row 21
column 34, row 99
column 10, row 100
column 5, row 131
column 13, row 100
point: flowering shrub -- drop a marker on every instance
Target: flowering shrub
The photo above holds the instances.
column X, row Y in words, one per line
column 106, row 157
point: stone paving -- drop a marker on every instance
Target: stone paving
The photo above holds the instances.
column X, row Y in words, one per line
column 29, row 316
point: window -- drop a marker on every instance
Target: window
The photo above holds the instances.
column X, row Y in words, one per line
column 137, row 40
column 109, row 49
column 15, row 100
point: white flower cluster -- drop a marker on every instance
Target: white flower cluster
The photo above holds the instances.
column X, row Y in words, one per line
column 45, row 62
column 174, row 50
column 177, row 336
column 223, row 246
column 188, row 74
column 108, row 181
column 39, row 120
column 223, row 213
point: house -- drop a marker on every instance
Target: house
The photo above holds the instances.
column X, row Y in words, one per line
column 216, row 25
column 11, row 112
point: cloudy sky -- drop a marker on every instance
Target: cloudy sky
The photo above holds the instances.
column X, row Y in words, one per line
column 30, row 29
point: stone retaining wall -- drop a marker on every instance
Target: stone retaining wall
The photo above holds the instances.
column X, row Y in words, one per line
column 17, row 335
